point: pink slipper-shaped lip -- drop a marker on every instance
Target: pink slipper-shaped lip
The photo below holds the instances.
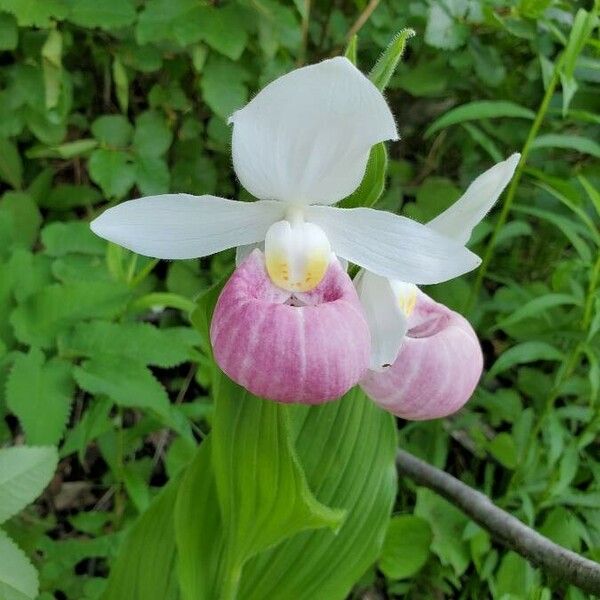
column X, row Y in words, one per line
column 307, row 347
column 438, row 367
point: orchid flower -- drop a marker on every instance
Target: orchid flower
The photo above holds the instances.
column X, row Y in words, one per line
column 425, row 359
column 301, row 145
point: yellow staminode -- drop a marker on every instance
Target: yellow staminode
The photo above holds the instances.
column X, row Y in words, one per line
column 406, row 295
column 297, row 255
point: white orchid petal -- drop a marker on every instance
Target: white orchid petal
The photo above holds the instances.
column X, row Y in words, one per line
column 185, row 226
column 306, row 137
column 392, row 246
column 459, row 220
column 387, row 321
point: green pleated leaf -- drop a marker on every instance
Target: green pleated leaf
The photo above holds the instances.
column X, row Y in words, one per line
column 199, row 529
column 262, row 490
column 145, row 566
column 347, row 450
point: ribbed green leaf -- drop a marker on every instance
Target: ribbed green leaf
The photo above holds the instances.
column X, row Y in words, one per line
column 347, row 450
column 480, row 109
column 525, row 352
column 199, row 529
column 262, row 490
column 568, row 142
column 145, row 567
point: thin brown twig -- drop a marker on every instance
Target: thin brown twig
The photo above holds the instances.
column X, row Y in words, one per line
column 506, row 529
column 305, row 24
column 362, row 19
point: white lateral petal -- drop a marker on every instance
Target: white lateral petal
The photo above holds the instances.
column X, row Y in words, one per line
column 185, row 226
column 459, row 220
column 306, row 137
column 387, row 322
column 392, row 246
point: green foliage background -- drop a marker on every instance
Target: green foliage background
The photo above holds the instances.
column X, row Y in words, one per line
column 103, row 100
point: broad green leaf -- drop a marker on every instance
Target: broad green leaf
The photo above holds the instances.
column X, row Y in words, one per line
column 347, row 449
column 107, row 14
column 20, row 221
column 27, row 273
column 223, row 28
column 583, row 25
column 9, row 34
column 18, row 577
column 65, row 197
column 11, row 166
column 373, row 183
column 61, row 238
column 142, row 342
column 525, row 352
column 152, row 175
column 447, row 524
column 578, row 143
column 223, row 86
column 66, row 151
column 484, row 140
column 592, row 192
column 145, row 568
column 42, row 316
column 444, row 29
column 121, row 80
column 406, row 547
column 40, row 393
column 170, row 20
column 125, row 381
column 35, row 13
column 566, row 226
column 24, row 473
column 433, row 196
column 516, row 578
column 502, row 448
column 536, row 307
column 479, row 109
column 385, row 66
column 199, row 529
column 263, row 493
column 52, row 67
column 113, row 130
column 113, row 171
column 152, row 136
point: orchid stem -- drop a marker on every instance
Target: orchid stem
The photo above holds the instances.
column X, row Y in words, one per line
column 559, row 562
column 514, row 184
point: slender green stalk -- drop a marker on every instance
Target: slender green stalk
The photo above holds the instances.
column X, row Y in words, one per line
column 591, row 294
column 514, row 184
